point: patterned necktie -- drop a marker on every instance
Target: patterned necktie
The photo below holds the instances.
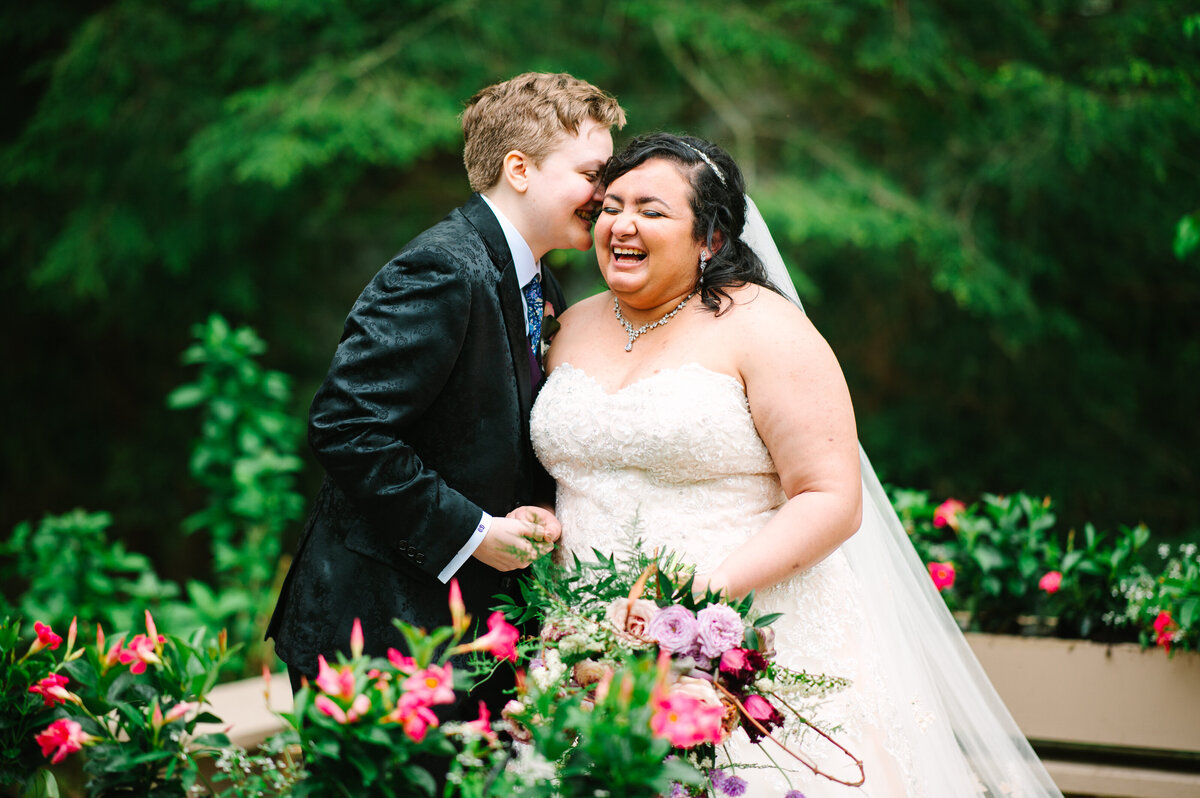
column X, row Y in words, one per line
column 535, row 306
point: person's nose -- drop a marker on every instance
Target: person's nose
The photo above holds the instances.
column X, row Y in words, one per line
column 624, row 225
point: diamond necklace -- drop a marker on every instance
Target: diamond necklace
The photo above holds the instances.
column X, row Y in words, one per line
column 648, row 326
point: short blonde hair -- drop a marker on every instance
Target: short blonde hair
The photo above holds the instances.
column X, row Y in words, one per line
column 530, row 113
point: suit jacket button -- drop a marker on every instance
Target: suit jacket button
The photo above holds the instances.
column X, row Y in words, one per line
column 420, row 558
column 412, row 550
column 506, row 582
column 402, row 544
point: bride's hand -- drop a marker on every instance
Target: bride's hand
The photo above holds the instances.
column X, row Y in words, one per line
column 546, row 528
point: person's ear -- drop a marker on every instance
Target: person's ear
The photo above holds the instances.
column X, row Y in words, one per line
column 718, row 241
column 515, row 170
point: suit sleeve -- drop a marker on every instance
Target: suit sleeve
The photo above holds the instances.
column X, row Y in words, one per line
column 400, row 343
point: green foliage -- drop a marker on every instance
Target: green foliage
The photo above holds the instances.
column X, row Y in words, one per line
column 982, row 204
column 245, row 459
column 67, row 566
column 603, row 743
column 1163, row 604
column 22, row 713
column 137, row 705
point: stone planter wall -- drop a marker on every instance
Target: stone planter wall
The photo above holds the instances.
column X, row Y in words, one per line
column 1116, row 703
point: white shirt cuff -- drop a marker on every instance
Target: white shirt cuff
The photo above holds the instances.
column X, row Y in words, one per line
column 485, row 523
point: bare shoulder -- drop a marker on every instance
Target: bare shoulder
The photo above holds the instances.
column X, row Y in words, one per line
column 578, row 322
column 770, row 341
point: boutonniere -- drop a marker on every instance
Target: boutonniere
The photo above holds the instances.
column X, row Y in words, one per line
column 550, row 326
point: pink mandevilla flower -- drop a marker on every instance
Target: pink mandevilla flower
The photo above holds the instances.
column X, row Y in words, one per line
column 1164, row 626
column 327, row 706
column 356, row 639
column 947, row 513
column 501, row 639
column 1051, row 581
column 685, row 721
column 414, row 715
column 53, row 690
column 942, row 574
column 45, row 638
column 400, row 662
column 62, row 738
column 434, row 685
column 483, row 724
column 721, row 628
column 138, row 654
column 337, row 682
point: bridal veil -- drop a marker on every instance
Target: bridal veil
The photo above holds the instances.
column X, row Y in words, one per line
column 930, row 665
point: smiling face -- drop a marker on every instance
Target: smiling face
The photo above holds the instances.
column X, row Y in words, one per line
column 645, row 245
column 564, row 191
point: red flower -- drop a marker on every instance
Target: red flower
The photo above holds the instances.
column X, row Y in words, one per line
column 140, row 652
column 1164, row 630
column 1051, row 581
column 337, row 682
column 947, row 513
column 415, row 715
column 943, row 574
column 62, row 738
column 501, row 639
column 45, row 638
column 760, row 709
column 53, row 690
column 742, row 665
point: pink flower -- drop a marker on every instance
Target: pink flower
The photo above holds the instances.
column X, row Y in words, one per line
column 483, row 724
column 947, row 513
column 71, row 632
column 53, row 690
column 153, row 635
column 179, row 710
column 684, row 720
column 459, row 620
column 1051, row 581
column 501, row 639
column 45, row 638
column 761, row 710
column 356, row 639
column 327, row 706
column 434, row 685
column 721, row 628
column 1164, row 628
column 62, row 737
column 414, row 715
column 675, row 629
column 942, row 574
column 632, row 616
column 139, row 652
column 337, row 682
column 400, row 662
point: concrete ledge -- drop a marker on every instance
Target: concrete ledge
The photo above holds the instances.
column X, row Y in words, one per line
column 243, row 707
column 1110, row 781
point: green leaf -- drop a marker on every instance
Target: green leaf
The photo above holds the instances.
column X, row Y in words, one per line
column 767, row 620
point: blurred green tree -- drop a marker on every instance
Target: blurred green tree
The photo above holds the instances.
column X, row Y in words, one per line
column 980, row 200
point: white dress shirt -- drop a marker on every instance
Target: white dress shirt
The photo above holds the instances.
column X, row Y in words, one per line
column 526, row 268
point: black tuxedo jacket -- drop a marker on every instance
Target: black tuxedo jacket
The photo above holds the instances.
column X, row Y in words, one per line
column 421, row 424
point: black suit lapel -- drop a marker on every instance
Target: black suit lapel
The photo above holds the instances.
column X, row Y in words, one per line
column 509, row 290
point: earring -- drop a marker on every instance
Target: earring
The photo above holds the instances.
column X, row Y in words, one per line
column 703, row 261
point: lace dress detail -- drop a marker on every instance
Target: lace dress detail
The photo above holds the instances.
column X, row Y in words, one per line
column 675, row 460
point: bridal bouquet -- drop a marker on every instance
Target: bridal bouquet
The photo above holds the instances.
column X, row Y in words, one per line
column 712, row 660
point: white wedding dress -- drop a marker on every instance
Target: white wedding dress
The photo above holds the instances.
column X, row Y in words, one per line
column 674, row 459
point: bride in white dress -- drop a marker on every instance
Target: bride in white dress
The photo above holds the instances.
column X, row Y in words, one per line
column 694, row 407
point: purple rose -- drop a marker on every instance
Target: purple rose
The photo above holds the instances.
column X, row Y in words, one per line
column 675, row 629
column 721, row 629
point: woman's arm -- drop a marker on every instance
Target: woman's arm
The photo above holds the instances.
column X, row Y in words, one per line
column 802, row 410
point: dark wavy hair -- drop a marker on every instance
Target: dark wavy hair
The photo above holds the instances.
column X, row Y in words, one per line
column 718, row 205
